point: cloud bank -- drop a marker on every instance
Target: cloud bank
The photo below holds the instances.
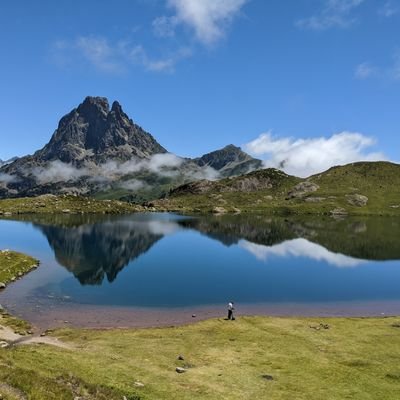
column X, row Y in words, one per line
column 304, row 157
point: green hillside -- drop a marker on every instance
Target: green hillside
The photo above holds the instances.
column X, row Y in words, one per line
column 367, row 188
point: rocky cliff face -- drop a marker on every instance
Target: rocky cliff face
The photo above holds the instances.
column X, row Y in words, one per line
column 94, row 132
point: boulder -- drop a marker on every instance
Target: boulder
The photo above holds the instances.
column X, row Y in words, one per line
column 357, row 200
column 338, row 211
column 301, row 189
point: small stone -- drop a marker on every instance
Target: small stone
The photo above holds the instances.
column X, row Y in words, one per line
column 2, row 285
column 193, row 315
column 267, row 377
column 3, row 345
column 139, row 384
column 180, row 370
column 43, row 334
column 181, row 358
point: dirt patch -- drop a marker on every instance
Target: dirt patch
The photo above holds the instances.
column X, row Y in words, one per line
column 13, row 339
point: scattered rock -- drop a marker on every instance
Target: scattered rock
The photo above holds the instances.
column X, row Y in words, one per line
column 314, row 199
column 302, row 189
column 338, row 211
column 357, row 200
column 320, row 326
column 3, row 345
column 139, row 384
column 193, row 315
column 66, row 211
column 2, row 285
column 181, row 358
column 180, row 370
column 219, row 210
column 267, row 377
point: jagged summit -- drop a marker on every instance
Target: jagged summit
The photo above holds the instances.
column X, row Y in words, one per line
column 93, row 132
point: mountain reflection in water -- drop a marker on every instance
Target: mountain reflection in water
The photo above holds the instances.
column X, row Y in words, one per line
column 93, row 247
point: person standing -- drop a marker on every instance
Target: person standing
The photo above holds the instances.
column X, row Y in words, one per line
column 230, row 310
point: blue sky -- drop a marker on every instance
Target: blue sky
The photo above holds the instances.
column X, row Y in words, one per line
column 309, row 76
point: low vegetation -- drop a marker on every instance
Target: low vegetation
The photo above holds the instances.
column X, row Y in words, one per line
column 66, row 204
column 250, row 358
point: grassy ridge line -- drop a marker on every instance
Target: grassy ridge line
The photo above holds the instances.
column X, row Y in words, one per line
column 64, row 204
column 250, row 358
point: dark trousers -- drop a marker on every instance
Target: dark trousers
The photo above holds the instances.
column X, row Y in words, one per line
column 230, row 314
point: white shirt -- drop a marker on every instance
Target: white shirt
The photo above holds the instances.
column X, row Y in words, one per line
column 230, row 306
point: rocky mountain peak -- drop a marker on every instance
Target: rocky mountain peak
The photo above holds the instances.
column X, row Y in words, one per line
column 94, row 133
column 230, row 160
column 94, row 106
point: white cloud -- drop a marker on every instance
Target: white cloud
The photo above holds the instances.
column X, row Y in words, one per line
column 113, row 57
column 138, row 55
column 132, row 184
column 304, row 157
column 389, row 72
column 365, row 70
column 57, row 171
column 99, row 52
column 5, row 179
column 334, row 14
column 300, row 248
column 208, row 19
column 388, row 10
column 165, row 26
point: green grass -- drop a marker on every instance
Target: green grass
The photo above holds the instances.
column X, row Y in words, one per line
column 13, row 266
column 379, row 181
column 354, row 359
column 66, row 204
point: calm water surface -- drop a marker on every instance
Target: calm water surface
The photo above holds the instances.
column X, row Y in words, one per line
column 166, row 261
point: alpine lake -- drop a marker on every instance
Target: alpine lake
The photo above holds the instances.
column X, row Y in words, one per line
column 159, row 268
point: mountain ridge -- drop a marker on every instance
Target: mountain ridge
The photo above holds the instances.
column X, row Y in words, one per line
column 98, row 149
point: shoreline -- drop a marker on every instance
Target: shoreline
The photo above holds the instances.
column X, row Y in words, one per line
column 123, row 317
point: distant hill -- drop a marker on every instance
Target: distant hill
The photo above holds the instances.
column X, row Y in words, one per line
column 98, row 150
column 358, row 188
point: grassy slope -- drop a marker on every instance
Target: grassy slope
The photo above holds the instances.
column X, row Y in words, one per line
column 14, row 265
column 355, row 359
column 379, row 181
column 66, row 204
